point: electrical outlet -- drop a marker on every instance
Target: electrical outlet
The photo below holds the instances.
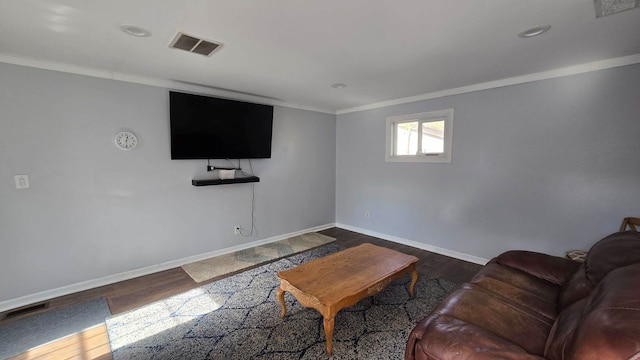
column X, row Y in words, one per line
column 22, row 181
column 367, row 214
column 236, row 230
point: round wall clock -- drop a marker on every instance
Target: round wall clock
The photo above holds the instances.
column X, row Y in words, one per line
column 126, row 140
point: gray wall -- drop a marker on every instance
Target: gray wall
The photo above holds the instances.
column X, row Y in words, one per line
column 548, row 166
column 94, row 210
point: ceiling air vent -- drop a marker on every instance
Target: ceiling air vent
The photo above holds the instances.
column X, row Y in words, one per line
column 610, row 7
column 193, row 44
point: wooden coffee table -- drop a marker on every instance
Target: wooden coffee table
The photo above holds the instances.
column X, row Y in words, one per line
column 342, row 279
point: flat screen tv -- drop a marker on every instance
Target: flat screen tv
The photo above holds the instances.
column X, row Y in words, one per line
column 204, row 127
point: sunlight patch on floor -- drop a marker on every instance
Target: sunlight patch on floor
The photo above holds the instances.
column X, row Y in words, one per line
column 160, row 316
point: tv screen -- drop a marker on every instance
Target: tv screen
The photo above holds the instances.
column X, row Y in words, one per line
column 204, row 127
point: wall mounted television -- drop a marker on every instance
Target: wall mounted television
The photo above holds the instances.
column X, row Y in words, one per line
column 204, row 127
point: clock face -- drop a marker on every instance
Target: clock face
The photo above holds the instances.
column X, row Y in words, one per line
column 126, row 140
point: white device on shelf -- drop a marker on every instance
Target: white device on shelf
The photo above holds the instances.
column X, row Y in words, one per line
column 226, row 174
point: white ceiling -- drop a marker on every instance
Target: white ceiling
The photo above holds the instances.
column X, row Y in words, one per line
column 293, row 50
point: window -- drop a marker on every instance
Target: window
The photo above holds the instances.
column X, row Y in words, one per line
column 423, row 137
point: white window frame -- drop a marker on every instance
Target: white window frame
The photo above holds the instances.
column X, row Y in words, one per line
column 438, row 115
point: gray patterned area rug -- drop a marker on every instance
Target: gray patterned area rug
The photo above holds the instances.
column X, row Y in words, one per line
column 239, row 318
column 224, row 264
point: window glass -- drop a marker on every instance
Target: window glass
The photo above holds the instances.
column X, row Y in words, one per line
column 407, row 138
column 433, row 137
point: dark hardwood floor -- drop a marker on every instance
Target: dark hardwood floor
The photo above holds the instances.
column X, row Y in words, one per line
column 130, row 294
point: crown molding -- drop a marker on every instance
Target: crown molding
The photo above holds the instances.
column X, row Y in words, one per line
column 151, row 81
column 177, row 85
column 545, row 75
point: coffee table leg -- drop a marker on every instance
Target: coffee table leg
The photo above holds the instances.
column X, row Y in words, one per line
column 280, row 295
column 328, row 334
column 414, row 280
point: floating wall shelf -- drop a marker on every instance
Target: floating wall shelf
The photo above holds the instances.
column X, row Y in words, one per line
column 239, row 180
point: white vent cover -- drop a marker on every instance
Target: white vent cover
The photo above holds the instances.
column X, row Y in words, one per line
column 193, row 44
column 610, row 7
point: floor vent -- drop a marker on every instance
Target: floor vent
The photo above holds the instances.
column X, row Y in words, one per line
column 26, row 310
column 194, row 45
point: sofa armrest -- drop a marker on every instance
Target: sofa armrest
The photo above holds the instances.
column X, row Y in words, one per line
column 554, row 269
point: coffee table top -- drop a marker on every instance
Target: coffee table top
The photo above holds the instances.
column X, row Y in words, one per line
column 336, row 276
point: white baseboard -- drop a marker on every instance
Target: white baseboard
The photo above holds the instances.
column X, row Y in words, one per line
column 419, row 245
column 107, row 280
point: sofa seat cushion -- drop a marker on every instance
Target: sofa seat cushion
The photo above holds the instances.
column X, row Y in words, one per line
column 529, row 300
column 481, row 309
column 520, row 280
column 454, row 339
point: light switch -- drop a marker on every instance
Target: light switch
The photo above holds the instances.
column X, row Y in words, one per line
column 22, row 181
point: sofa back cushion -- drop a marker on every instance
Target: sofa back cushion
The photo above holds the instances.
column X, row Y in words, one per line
column 614, row 251
column 605, row 325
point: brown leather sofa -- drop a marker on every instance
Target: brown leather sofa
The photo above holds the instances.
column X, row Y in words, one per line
column 526, row 305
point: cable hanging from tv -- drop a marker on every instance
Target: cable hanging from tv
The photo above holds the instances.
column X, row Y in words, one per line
column 213, row 167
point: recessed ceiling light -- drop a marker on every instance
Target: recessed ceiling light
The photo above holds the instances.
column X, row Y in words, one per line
column 339, row 86
column 538, row 30
column 135, row 30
